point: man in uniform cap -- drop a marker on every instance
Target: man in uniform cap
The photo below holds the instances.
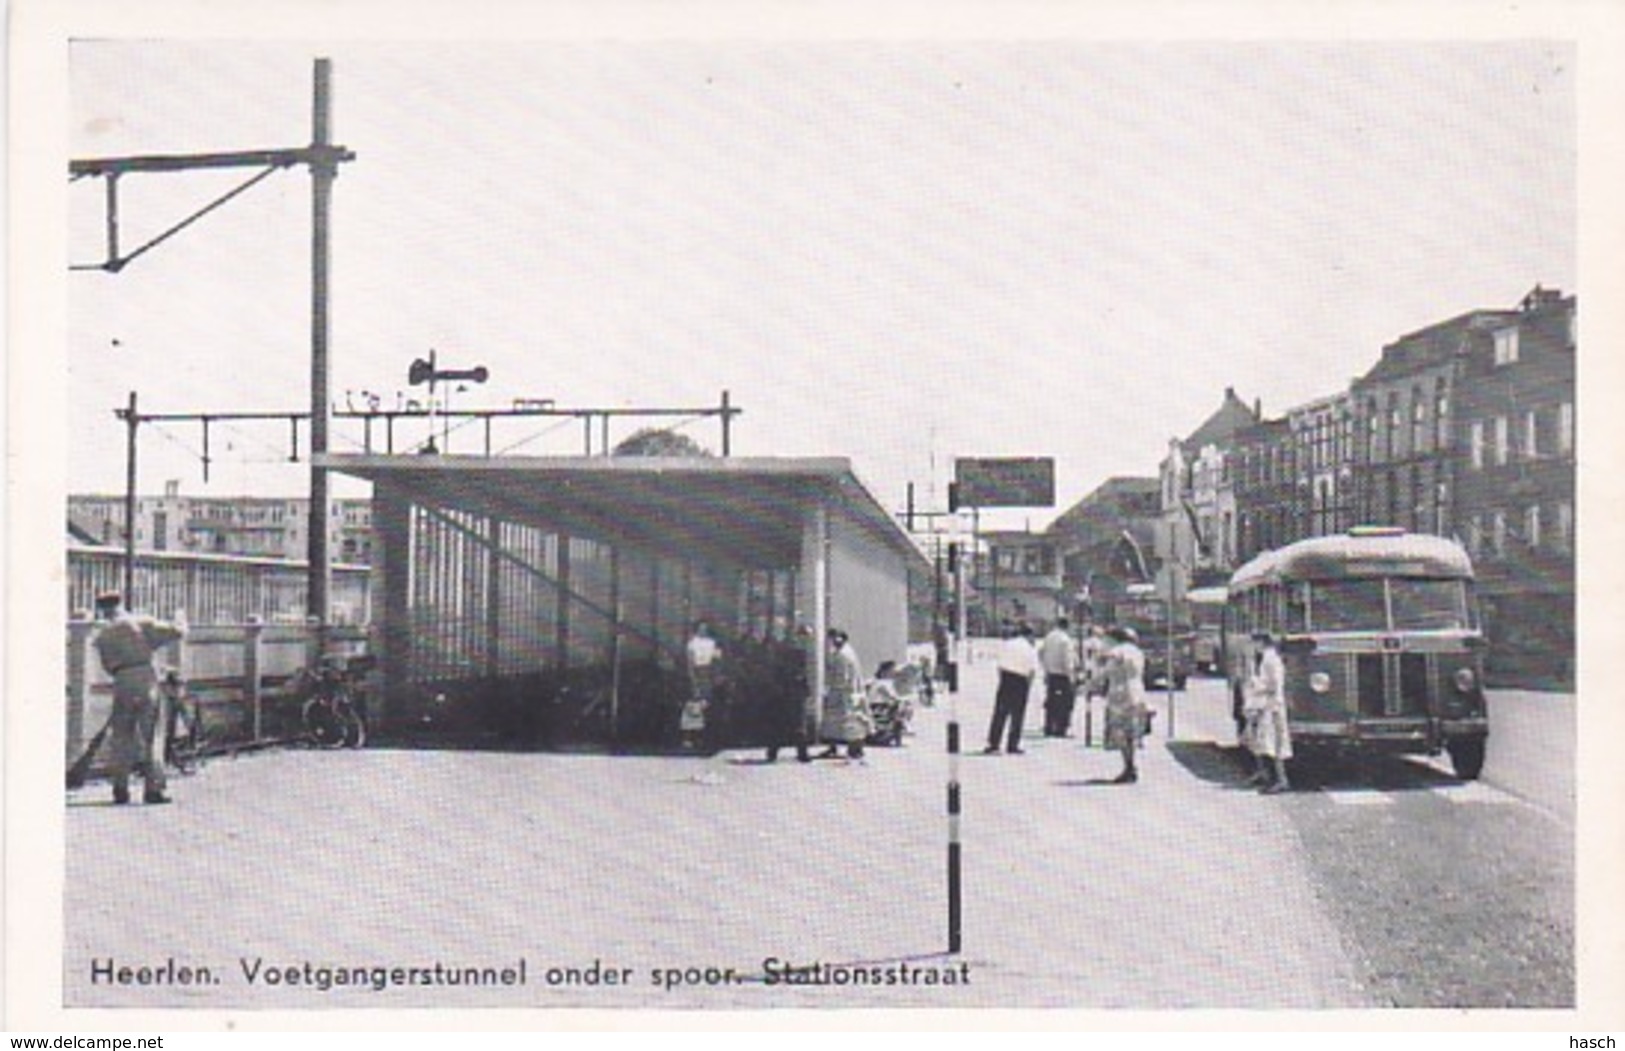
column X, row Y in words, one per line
column 126, row 647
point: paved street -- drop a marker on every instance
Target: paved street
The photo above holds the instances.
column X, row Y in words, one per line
column 1391, row 885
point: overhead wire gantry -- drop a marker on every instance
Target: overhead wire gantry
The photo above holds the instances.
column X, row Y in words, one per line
column 323, row 158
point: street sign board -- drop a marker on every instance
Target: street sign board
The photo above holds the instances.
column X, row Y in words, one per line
column 1011, row 482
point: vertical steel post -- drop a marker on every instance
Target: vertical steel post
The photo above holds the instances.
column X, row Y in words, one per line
column 1168, row 658
column 727, row 425
column 112, row 220
column 131, row 421
column 323, row 170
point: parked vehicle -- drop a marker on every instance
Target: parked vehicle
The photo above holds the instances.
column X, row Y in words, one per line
column 1380, row 635
column 1166, row 645
column 1206, row 607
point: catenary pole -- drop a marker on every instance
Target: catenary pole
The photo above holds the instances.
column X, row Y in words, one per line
column 131, row 421
column 323, row 170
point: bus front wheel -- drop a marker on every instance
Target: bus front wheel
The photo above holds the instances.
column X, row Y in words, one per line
column 1467, row 757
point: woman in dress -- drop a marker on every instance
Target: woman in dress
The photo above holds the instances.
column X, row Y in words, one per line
column 845, row 717
column 1125, row 699
column 1270, row 737
column 704, row 656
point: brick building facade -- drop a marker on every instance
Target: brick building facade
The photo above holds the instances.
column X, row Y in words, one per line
column 1515, row 493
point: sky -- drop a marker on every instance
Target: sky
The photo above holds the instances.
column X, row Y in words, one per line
column 898, row 252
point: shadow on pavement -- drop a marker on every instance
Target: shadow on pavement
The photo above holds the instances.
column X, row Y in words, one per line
column 1378, row 773
column 1216, row 764
column 488, row 742
column 1093, row 782
column 1229, row 767
column 100, row 801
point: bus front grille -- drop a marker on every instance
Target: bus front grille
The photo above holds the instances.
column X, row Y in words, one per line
column 1392, row 684
column 1369, row 679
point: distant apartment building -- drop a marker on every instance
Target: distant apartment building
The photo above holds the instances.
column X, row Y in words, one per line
column 1463, row 429
column 1323, row 443
column 1405, row 456
column 1198, row 527
column 1515, row 493
column 1264, row 483
column 264, row 527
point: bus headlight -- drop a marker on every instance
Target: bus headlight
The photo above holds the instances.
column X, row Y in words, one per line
column 1320, row 682
column 1465, row 680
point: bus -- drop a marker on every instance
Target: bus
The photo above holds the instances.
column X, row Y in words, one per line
column 1381, row 639
column 1167, row 651
column 1207, row 623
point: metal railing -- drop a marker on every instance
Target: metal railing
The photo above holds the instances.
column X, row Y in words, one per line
column 215, row 589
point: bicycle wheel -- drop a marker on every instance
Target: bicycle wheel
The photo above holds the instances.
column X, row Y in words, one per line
column 355, row 727
column 324, row 726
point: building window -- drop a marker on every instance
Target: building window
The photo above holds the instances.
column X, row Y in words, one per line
column 1475, row 536
column 1506, row 346
column 1373, row 431
column 1441, row 413
column 1477, row 445
column 1393, row 424
column 1531, row 526
column 1565, row 428
column 1503, row 443
column 1441, row 509
column 1498, row 534
column 1565, row 525
column 1531, row 435
column 1419, row 419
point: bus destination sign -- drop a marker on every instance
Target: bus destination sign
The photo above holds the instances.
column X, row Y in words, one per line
column 1013, row 482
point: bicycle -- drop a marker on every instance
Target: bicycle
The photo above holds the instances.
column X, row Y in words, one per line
column 183, row 751
column 330, row 715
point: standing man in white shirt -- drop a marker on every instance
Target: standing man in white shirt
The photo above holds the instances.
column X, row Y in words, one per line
column 1058, row 654
column 1018, row 666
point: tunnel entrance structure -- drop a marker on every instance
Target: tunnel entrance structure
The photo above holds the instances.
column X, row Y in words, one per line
column 545, row 602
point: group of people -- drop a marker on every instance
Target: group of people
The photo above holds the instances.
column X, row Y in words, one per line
column 1110, row 663
column 846, row 717
column 742, row 688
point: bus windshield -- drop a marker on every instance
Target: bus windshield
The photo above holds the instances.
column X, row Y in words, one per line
column 1429, row 605
column 1348, row 605
column 1418, row 605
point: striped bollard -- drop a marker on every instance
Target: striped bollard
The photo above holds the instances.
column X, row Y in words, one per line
column 955, row 939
